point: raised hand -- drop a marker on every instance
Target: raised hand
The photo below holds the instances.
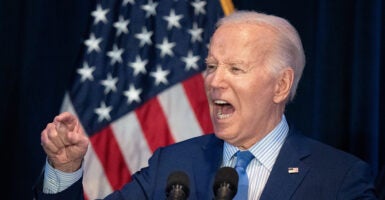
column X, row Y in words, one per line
column 65, row 142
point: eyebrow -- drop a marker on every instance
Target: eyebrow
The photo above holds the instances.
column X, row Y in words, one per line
column 211, row 59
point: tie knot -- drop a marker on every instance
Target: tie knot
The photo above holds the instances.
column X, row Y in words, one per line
column 243, row 159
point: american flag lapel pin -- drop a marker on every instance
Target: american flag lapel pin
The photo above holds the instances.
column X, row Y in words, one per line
column 293, row 170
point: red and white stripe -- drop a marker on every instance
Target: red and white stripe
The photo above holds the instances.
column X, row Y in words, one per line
column 123, row 147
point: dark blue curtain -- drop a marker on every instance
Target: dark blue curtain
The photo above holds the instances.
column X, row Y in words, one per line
column 340, row 99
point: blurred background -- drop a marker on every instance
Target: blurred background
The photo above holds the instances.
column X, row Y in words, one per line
column 340, row 99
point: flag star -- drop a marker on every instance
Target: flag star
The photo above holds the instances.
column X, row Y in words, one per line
column 199, row 7
column 166, row 48
column 144, row 37
column 150, row 8
column 138, row 65
column 160, row 75
column 109, row 84
column 103, row 112
column 125, row 2
column 86, row 72
column 173, row 20
column 121, row 25
column 99, row 14
column 133, row 94
column 196, row 33
column 191, row 61
column 92, row 43
column 115, row 55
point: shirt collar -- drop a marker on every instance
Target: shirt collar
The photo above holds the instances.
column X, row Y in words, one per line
column 265, row 150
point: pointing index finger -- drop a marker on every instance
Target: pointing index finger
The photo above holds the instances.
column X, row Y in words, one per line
column 68, row 120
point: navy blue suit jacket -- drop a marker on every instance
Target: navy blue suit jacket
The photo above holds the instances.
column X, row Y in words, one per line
column 325, row 173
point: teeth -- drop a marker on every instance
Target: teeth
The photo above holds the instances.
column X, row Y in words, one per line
column 219, row 113
column 220, row 102
column 222, row 116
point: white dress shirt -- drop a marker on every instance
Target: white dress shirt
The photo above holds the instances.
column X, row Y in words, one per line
column 265, row 153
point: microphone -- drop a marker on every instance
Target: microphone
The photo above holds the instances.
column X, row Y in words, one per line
column 225, row 184
column 177, row 186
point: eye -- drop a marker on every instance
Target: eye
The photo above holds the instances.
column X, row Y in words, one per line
column 237, row 70
column 210, row 68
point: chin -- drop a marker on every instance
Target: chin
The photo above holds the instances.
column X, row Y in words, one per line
column 225, row 135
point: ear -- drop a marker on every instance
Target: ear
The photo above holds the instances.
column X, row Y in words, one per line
column 283, row 85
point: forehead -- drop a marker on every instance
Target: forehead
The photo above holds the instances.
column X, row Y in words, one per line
column 244, row 32
column 241, row 42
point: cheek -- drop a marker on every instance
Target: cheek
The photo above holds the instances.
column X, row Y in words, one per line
column 256, row 96
column 207, row 78
column 206, row 83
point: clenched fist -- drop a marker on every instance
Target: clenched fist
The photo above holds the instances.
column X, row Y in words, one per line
column 65, row 142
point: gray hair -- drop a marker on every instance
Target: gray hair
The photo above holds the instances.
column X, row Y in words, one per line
column 289, row 48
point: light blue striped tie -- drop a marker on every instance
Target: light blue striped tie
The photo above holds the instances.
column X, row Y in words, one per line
column 243, row 159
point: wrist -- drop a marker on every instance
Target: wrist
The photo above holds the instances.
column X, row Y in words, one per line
column 68, row 167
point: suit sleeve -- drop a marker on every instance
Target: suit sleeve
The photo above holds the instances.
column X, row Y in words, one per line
column 75, row 191
column 140, row 187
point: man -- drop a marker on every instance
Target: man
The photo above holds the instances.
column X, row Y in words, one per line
column 254, row 64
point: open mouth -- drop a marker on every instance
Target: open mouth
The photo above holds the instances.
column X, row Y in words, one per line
column 223, row 109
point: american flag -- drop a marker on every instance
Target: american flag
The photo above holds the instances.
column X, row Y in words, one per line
column 139, row 83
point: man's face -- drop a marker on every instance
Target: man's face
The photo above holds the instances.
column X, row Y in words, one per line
column 240, row 89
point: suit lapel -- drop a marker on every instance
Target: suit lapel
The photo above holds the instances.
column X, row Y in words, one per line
column 284, row 178
column 205, row 166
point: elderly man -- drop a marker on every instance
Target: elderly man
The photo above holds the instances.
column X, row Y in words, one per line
column 254, row 64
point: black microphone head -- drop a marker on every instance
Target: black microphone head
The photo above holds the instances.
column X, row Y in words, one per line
column 226, row 183
column 178, row 180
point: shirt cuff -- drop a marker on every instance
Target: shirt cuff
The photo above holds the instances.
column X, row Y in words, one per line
column 56, row 181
